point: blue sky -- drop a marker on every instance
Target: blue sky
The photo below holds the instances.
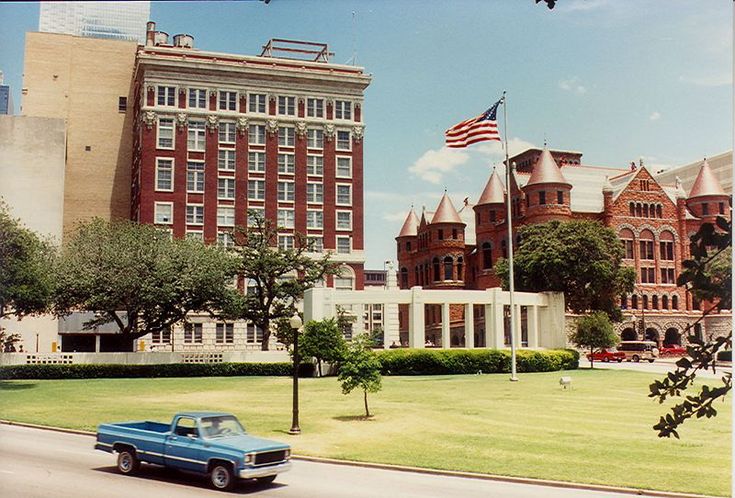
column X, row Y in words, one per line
column 614, row 79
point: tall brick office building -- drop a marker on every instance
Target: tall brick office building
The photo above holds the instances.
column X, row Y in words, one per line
column 451, row 248
column 218, row 134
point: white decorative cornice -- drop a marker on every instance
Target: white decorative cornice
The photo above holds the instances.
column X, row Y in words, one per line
column 242, row 125
column 358, row 131
column 181, row 119
column 328, row 131
column 149, row 118
column 271, row 126
column 212, row 122
column 300, row 129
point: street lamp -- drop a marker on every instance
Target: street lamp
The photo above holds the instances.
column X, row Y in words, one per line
column 295, row 323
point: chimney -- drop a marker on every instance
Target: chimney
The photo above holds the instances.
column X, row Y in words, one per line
column 150, row 31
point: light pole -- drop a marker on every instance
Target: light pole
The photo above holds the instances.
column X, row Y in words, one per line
column 295, row 323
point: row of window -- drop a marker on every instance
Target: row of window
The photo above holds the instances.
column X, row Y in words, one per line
column 196, row 135
column 642, row 210
column 256, row 102
column 648, row 275
column 256, row 164
column 542, row 198
column 646, row 250
column 315, row 243
column 446, row 269
column 665, row 302
column 224, row 334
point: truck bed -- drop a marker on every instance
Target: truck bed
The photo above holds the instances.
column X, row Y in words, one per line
column 146, row 437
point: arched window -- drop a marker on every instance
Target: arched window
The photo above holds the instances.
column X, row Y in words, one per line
column 624, row 302
column 646, row 245
column 487, row 256
column 665, row 302
column 632, row 209
column 645, row 302
column 638, row 210
column 645, row 210
column 404, row 278
column 659, row 211
column 654, row 302
column 437, row 270
column 460, row 265
column 666, row 246
column 674, row 302
column 448, row 268
column 626, row 237
column 634, row 302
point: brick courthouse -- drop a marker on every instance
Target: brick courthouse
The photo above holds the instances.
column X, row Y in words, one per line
column 450, row 248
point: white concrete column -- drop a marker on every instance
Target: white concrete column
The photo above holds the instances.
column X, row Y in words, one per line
column 469, row 326
column 499, row 325
column 416, row 324
column 446, row 331
column 359, row 326
column 96, row 343
column 533, row 326
column 490, row 326
column 391, row 325
column 517, row 316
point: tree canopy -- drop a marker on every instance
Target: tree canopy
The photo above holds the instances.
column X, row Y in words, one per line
column 136, row 276
column 360, row 368
column 594, row 331
column 582, row 259
column 323, row 341
column 26, row 269
column 275, row 278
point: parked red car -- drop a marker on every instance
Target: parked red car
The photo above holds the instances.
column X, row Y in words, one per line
column 606, row 355
column 673, row 350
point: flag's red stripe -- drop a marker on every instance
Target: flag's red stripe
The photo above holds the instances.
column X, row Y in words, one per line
column 481, row 124
column 472, row 133
column 470, row 142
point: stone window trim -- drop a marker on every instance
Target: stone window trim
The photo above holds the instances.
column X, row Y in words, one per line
column 345, row 215
column 160, row 161
column 160, row 217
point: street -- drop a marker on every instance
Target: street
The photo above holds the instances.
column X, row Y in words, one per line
column 658, row 368
column 40, row 463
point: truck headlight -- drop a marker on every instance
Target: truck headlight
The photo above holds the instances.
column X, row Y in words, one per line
column 288, row 454
column 249, row 458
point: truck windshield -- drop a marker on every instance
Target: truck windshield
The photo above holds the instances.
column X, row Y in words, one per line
column 223, row 426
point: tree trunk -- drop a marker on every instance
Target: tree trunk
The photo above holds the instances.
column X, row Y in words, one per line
column 592, row 357
column 367, row 411
column 318, row 368
column 265, row 326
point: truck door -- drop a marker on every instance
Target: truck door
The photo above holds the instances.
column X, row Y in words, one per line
column 183, row 446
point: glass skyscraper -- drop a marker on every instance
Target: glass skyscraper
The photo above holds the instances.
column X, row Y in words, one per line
column 113, row 20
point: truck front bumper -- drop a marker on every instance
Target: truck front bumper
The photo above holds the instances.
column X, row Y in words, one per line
column 270, row 470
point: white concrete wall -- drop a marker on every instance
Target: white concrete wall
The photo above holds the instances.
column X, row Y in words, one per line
column 145, row 358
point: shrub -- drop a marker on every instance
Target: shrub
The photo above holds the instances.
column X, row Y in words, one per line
column 100, row 371
column 724, row 356
column 470, row 361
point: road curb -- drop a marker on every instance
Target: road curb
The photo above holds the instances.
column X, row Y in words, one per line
column 437, row 472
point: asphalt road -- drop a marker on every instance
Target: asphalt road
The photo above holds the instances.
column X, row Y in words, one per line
column 40, row 463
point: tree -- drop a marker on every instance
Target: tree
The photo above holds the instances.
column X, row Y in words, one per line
column 549, row 3
column 582, row 259
column 139, row 278
column 594, row 331
column 360, row 368
column 323, row 341
column 275, row 278
column 708, row 276
column 8, row 341
column 26, row 269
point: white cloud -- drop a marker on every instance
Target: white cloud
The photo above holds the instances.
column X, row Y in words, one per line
column 583, row 5
column 573, row 85
column 496, row 151
column 434, row 164
column 655, row 116
column 722, row 79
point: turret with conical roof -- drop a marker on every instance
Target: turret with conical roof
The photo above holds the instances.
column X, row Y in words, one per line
column 446, row 245
column 707, row 199
column 407, row 245
column 547, row 192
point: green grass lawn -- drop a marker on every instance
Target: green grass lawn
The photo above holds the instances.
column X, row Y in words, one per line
column 598, row 432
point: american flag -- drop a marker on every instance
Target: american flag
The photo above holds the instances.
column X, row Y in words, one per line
column 478, row 129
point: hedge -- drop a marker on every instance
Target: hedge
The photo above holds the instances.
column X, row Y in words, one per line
column 471, row 361
column 105, row 371
column 724, row 356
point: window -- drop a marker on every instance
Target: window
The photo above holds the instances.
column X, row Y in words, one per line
column 193, row 333
column 315, row 192
column 164, row 174
column 344, row 220
column 343, row 140
column 667, row 276
column 166, row 96
column 195, row 235
column 667, row 250
column 316, row 243
column 440, row 234
column 225, row 239
column 226, row 159
column 344, row 283
column 674, row 302
column 343, row 245
column 286, row 164
column 634, row 302
column 227, row 101
column 315, row 165
column 256, row 134
column 226, row 132
column 254, row 334
column 286, row 106
column 197, row 98
column 315, row 138
column 252, row 212
column 342, row 109
column 437, row 269
column 314, row 219
column 665, row 302
column 560, row 197
column 344, row 195
column 645, row 302
column 197, row 135
column 256, row 162
column 165, row 133
column 542, row 198
column 161, row 336
column 226, row 216
column 344, row 167
column 286, row 191
column 285, row 242
column 286, row 136
column 646, row 245
column 286, row 218
column 195, row 177
column 194, row 214
column 256, row 103
column 705, row 209
column 226, row 188
column 164, row 213
column 315, row 108
column 487, row 256
column 448, row 268
column 654, row 302
column 122, row 104
column 624, row 302
column 256, row 190
column 628, row 249
column 632, row 209
column 225, row 333
column 648, row 275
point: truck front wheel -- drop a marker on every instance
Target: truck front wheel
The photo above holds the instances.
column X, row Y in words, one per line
column 222, row 477
column 127, row 462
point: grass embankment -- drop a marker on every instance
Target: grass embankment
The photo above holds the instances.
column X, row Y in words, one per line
column 598, row 432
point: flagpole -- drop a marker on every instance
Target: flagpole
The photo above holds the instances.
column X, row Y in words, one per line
column 509, row 218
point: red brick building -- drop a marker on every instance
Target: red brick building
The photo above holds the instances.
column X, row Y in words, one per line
column 218, row 134
column 452, row 248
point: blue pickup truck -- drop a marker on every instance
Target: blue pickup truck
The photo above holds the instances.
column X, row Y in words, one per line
column 209, row 443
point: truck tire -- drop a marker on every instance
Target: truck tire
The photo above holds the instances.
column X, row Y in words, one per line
column 127, row 462
column 636, row 358
column 265, row 480
column 222, row 477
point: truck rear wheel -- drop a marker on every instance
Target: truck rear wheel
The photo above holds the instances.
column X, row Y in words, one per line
column 221, row 477
column 127, row 462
